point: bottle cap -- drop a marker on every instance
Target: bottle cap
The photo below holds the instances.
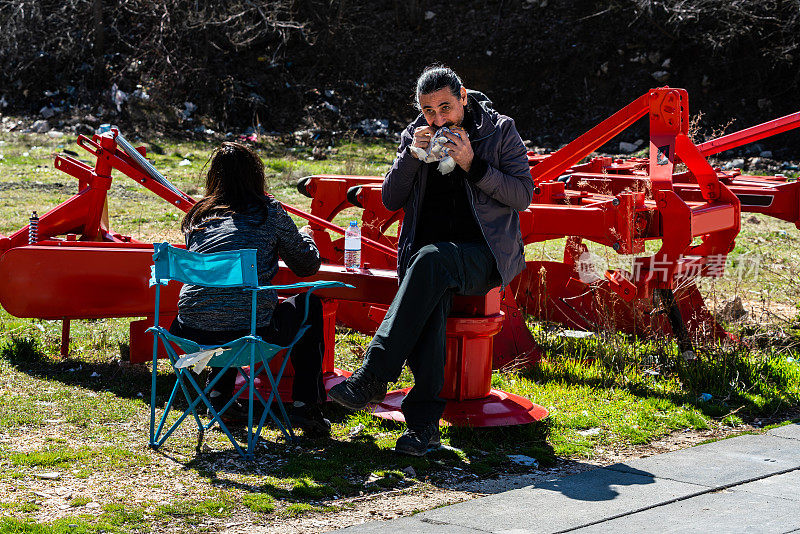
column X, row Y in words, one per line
column 353, row 223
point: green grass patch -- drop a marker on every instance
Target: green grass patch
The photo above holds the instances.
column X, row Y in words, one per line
column 194, row 510
column 299, row 508
column 120, row 516
column 28, row 507
column 114, row 522
column 115, row 519
column 305, row 488
column 60, row 457
column 79, row 500
column 259, row 503
column 55, row 456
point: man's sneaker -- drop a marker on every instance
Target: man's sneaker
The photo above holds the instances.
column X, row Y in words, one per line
column 418, row 440
column 361, row 388
column 309, row 417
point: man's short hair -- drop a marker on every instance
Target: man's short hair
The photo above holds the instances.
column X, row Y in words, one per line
column 436, row 77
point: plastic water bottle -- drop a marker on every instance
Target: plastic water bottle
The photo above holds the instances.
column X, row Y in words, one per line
column 352, row 247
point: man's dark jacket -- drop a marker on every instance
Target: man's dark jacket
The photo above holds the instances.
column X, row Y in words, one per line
column 505, row 188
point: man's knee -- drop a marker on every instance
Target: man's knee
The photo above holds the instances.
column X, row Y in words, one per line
column 431, row 258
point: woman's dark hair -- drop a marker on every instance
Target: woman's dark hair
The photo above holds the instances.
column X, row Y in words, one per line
column 234, row 183
column 436, row 77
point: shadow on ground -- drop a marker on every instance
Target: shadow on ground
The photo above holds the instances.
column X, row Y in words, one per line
column 597, row 485
column 318, row 469
column 121, row 378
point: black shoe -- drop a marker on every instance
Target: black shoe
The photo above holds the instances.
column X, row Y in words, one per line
column 418, row 440
column 309, row 417
column 359, row 390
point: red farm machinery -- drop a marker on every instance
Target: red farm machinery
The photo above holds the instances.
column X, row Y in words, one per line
column 74, row 266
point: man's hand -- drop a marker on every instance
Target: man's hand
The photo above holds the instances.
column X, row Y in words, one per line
column 422, row 138
column 459, row 148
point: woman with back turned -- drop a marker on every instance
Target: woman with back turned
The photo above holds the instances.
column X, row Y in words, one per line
column 234, row 214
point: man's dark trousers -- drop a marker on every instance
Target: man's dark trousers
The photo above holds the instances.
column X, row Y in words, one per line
column 415, row 325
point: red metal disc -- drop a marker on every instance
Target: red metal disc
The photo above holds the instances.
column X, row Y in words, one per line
column 499, row 408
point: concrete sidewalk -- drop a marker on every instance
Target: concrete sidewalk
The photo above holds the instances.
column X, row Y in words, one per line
column 749, row 483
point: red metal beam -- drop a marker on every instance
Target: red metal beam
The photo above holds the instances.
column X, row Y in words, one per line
column 749, row 135
column 78, row 280
column 334, row 228
column 561, row 160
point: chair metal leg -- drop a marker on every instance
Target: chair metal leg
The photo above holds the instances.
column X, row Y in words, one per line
column 250, row 388
column 275, row 396
column 180, row 375
column 202, row 394
column 200, row 434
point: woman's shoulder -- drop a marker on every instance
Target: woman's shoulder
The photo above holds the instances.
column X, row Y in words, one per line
column 266, row 202
column 266, row 206
column 275, row 208
column 274, row 204
column 263, row 215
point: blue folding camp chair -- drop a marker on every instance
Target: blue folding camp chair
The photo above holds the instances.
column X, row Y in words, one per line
column 222, row 269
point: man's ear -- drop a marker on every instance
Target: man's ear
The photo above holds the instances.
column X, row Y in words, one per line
column 463, row 96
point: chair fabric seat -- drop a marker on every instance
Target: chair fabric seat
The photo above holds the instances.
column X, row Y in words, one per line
column 264, row 349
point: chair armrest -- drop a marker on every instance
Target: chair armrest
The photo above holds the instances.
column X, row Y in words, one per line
column 300, row 285
column 154, row 281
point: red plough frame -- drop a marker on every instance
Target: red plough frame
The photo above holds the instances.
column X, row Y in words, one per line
column 80, row 268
